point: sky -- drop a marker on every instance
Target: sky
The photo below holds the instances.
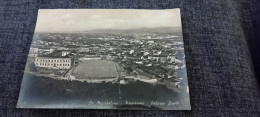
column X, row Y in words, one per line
column 74, row 20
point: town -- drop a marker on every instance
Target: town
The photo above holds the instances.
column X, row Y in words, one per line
column 156, row 58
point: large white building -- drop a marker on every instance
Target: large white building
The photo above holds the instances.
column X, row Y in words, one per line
column 58, row 59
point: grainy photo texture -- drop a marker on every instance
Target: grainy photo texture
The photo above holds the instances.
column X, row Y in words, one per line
column 106, row 59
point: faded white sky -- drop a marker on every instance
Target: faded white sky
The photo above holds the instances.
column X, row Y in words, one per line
column 70, row 20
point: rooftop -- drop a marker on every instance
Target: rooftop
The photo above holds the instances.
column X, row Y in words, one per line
column 58, row 54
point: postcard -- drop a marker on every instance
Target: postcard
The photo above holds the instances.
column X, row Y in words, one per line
column 106, row 59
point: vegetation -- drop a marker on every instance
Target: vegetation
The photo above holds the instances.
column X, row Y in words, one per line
column 32, row 67
column 47, row 90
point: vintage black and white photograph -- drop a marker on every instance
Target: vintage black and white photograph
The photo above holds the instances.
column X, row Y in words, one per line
column 106, row 59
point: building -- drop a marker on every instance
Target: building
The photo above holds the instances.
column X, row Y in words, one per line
column 158, row 58
column 33, row 52
column 131, row 51
column 58, row 59
column 150, row 42
column 171, row 58
column 84, row 49
column 41, row 50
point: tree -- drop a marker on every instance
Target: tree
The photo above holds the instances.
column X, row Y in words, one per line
column 165, row 76
column 32, row 67
column 135, row 74
column 129, row 69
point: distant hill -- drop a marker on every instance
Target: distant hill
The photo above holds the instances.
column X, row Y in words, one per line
column 176, row 31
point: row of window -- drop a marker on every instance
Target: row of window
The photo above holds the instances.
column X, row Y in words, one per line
column 48, row 64
column 45, row 60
